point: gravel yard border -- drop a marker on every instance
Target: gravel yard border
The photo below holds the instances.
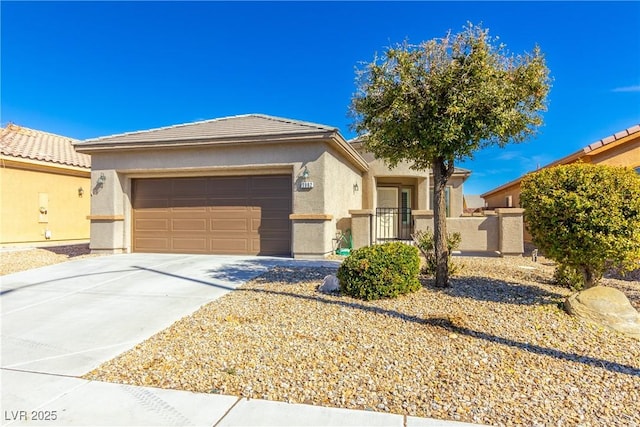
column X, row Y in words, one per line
column 16, row 259
column 495, row 348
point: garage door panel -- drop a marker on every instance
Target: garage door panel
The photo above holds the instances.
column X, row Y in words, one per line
column 217, row 215
column 269, row 182
column 151, row 204
column 189, row 245
column 153, row 244
column 144, row 224
column 229, row 245
column 189, row 203
column 193, row 224
column 228, row 224
column 191, row 187
column 275, row 224
column 228, row 211
column 231, row 186
column 227, row 202
column 149, row 188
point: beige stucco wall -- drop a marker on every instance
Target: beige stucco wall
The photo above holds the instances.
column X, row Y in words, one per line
column 456, row 195
column 478, row 233
column 625, row 155
column 332, row 194
column 66, row 217
column 498, row 199
column 379, row 173
column 497, row 231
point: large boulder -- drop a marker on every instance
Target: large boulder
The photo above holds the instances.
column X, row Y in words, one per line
column 606, row 306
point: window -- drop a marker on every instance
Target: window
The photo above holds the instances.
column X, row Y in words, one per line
column 447, row 200
column 638, row 170
column 405, row 205
column 508, row 201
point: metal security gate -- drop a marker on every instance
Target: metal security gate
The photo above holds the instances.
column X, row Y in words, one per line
column 393, row 224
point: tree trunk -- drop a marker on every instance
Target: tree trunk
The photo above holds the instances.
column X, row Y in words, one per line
column 441, row 174
column 590, row 278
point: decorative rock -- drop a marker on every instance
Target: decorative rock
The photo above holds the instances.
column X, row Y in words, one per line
column 330, row 284
column 606, row 306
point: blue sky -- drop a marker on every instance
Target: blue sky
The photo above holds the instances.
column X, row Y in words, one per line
column 89, row 69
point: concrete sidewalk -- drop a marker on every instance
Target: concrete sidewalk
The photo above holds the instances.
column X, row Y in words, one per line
column 60, row 322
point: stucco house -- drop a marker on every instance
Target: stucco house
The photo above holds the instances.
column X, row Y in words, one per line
column 250, row 184
column 621, row 149
column 44, row 188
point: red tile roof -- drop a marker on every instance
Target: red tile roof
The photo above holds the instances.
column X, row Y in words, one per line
column 20, row 142
column 577, row 155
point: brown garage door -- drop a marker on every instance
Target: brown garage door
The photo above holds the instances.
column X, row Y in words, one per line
column 213, row 215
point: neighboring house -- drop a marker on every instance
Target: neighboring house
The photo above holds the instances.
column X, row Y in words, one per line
column 473, row 203
column 250, row 184
column 620, row 149
column 44, row 184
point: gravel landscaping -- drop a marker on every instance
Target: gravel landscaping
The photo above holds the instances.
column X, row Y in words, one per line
column 13, row 260
column 495, row 348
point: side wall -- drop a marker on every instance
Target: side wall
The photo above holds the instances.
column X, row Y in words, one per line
column 625, row 155
column 24, row 191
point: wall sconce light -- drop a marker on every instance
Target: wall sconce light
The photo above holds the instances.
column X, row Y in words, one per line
column 305, row 183
column 355, row 187
column 80, row 191
column 99, row 184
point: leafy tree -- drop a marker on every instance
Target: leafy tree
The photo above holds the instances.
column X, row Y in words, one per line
column 438, row 102
column 584, row 217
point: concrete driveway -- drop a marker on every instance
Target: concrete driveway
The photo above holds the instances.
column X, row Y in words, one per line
column 68, row 318
column 62, row 321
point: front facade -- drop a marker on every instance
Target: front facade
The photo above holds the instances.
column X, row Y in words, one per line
column 621, row 149
column 44, row 189
column 250, row 184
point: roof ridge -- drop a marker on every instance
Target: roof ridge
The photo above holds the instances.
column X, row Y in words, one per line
column 292, row 121
column 218, row 119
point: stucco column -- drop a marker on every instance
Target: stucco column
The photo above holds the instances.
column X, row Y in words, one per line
column 423, row 193
column 361, row 223
column 312, row 234
column 422, row 220
column 107, row 216
column 510, row 223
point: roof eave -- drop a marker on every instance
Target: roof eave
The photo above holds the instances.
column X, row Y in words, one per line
column 97, row 146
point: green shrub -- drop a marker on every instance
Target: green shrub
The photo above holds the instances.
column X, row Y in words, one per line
column 568, row 277
column 584, row 217
column 380, row 271
column 426, row 244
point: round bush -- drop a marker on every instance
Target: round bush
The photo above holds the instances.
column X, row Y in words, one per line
column 380, row 271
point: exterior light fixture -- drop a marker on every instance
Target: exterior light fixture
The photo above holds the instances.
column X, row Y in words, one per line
column 99, row 184
column 80, row 191
column 305, row 183
column 355, row 187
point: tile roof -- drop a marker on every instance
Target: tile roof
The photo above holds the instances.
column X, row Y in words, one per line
column 635, row 129
column 233, row 127
column 611, row 138
column 20, row 142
